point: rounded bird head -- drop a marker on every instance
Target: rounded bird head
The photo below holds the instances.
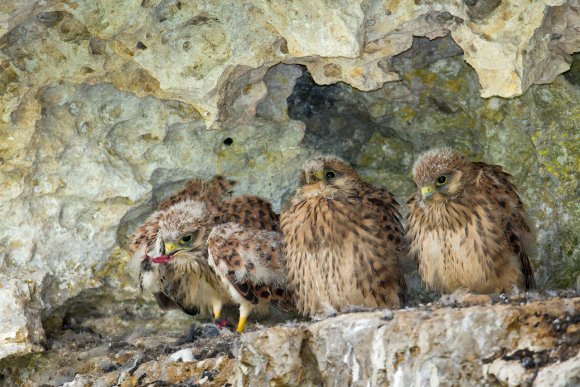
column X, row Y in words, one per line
column 183, row 231
column 440, row 175
column 328, row 176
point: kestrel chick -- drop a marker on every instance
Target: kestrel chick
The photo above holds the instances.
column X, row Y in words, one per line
column 185, row 276
column 250, row 264
column 467, row 226
column 183, row 283
column 142, row 243
column 343, row 240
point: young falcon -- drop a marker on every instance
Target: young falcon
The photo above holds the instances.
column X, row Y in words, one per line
column 174, row 283
column 250, row 264
column 467, row 226
column 185, row 276
column 142, row 243
column 343, row 240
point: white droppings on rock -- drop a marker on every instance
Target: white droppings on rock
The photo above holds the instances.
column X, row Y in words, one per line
column 508, row 373
column 388, row 315
column 185, row 355
column 79, row 381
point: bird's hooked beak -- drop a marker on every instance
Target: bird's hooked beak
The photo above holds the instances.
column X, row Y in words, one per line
column 318, row 175
column 170, row 248
column 315, row 177
column 427, row 191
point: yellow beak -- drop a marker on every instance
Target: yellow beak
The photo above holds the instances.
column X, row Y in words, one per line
column 170, row 248
column 427, row 191
column 319, row 175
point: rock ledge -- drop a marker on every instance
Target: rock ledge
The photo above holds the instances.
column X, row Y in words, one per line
column 535, row 343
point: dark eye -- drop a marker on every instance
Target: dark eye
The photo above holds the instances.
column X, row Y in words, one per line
column 186, row 238
column 329, row 174
column 441, row 180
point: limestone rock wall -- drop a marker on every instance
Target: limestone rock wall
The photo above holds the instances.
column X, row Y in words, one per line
column 106, row 106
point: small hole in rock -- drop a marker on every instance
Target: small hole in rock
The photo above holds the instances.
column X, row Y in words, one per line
column 141, row 46
column 228, row 141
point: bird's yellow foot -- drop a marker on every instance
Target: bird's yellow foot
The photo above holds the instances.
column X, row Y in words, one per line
column 241, row 324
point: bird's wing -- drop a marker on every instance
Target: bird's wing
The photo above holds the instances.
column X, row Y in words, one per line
column 248, row 211
column 297, row 243
column 383, row 203
column 413, row 227
column 518, row 233
column 142, row 244
column 380, row 204
column 143, row 239
column 209, row 192
column 251, row 261
column 164, row 302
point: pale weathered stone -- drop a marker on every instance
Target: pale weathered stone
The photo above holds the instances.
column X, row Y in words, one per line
column 467, row 346
column 19, row 317
column 526, row 339
column 566, row 373
column 271, row 360
column 205, row 40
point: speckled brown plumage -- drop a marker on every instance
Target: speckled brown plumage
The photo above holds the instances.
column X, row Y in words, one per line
column 248, row 211
column 212, row 192
column 250, row 264
column 189, row 283
column 467, row 227
column 343, row 241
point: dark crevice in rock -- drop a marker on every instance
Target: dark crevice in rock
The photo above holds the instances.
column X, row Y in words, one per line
column 425, row 52
column 480, row 9
column 97, row 304
column 337, row 122
column 311, row 369
column 347, row 122
column 573, row 75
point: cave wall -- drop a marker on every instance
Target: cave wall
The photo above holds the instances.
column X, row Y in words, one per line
column 106, row 106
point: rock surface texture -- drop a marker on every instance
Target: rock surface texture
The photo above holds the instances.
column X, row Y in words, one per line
column 522, row 340
column 529, row 344
column 107, row 106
